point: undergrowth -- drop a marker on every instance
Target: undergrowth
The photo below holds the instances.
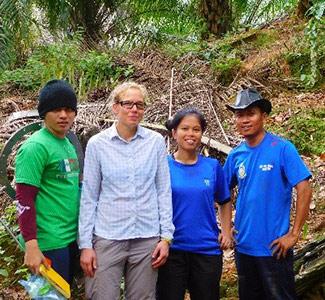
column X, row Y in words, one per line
column 11, row 257
column 85, row 70
column 306, row 130
column 307, row 57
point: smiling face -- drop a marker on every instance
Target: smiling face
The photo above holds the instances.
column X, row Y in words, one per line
column 59, row 121
column 250, row 123
column 188, row 133
column 129, row 117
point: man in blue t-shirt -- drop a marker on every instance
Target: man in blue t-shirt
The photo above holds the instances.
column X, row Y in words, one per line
column 265, row 168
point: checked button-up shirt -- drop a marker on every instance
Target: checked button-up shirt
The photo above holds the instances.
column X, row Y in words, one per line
column 126, row 189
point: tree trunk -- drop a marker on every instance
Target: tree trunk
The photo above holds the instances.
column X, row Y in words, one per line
column 217, row 14
column 91, row 15
column 309, row 266
column 303, row 6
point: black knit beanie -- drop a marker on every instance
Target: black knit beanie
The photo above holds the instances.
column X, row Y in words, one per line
column 56, row 94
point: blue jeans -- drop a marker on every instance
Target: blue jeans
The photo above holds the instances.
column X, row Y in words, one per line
column 65, row 261
column 198, row 273
column 265, row 277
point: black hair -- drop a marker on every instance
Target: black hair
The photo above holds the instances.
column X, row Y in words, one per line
column 179, row 116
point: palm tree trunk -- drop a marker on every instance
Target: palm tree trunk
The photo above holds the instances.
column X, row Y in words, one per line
column 303, row 6
column 218, row 16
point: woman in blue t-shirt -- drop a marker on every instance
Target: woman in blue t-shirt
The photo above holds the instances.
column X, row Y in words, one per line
column 198, row 183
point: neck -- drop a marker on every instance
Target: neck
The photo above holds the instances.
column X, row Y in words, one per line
column 125, row 132
column 186, row 157
column 253, row 141
column 60, row 135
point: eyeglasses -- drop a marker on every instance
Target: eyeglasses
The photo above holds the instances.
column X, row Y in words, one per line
column 129, row 104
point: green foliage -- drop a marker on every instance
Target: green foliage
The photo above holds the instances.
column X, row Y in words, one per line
column 50, row 61
column 264, row 38
column 315, row 35
column 304, row 231
column 250, row 13
column 11, row 259
column 147, row 22
column 98, row 70
column 180, row 48
column 307, row 131
column 17, row 31
column 307, row 59
column 85, row 70
column 226, row 68
column 228, row 288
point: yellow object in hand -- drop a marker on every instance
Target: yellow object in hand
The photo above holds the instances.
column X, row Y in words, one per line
column 56, row 280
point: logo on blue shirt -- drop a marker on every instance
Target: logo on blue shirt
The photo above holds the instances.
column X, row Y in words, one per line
column 241, row 171
column 207, row 182
column 266, row 167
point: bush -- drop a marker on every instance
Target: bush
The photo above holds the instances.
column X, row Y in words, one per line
column 307, row 131
column 307, row 60
column 85, row 70
column 226, row 68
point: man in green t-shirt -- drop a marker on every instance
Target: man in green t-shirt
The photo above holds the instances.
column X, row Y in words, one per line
column 47, row 184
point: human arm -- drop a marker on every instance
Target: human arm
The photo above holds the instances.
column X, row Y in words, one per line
column 88, row 261
column 160, row 254
column 226, row 235
column 224, row 205
column 281, row 245
column 88, row 204
column 162, row 180
column 25, row 196
column 30, row 163
column 34, row 257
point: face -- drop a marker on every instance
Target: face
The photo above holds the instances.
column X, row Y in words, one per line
column 129, row 117
column 250, row 122
column 59, row 121
column 188, row 133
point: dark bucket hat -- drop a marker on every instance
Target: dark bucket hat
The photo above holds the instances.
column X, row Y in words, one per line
column 248, row 97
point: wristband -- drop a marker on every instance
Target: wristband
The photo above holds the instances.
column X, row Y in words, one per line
column 169, row 241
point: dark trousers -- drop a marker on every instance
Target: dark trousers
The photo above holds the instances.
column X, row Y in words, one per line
column 65, row 261
column 265, row 277
column 198, row 273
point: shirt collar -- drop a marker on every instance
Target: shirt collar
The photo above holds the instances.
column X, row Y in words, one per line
column 112, row 132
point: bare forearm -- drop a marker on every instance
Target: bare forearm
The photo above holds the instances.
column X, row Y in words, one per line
column 304, row 193
column 225, row 215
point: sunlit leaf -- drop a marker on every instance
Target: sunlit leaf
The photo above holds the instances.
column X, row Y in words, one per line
column 4, row 273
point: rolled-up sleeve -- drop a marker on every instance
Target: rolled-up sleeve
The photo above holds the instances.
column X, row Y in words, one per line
column 164, row 193
column 89, row 195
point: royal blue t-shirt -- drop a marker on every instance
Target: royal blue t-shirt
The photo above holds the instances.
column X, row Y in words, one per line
column 265, row 175
column 195, row 188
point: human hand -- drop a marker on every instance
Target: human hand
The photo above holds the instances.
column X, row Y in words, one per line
column 88, row 261
column 34, row 257
column 160, row 254
column 281, row 245
column 226, row 240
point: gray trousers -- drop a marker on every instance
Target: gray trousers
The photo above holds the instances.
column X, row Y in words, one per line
column 131, row 258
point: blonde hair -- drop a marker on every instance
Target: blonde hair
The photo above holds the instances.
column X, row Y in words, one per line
column 114, row 96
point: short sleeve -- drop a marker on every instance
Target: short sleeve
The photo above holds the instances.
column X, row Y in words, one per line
column 293, row 166
column 222, row 193
column 30, row 163
column 229, row 172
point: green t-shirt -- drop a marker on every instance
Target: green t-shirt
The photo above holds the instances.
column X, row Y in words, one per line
column 51, row 164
